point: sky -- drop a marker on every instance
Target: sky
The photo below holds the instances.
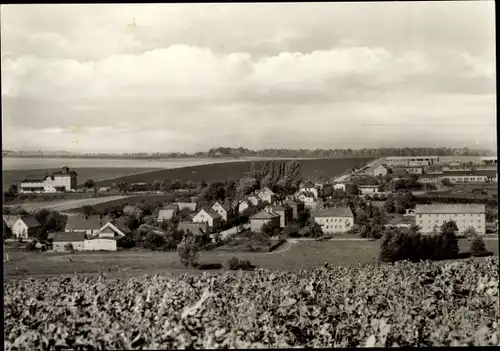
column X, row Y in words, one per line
column 189, row 77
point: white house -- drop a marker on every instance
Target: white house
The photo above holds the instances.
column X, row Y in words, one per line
column 223, row 210
column 167, row 213
column 106, row 238
column 431, row 217
column 266, row 194
column 381, row 170
column 65, row 180
column 212, row 218
column 335, row 219
column 368, row 189
column 75, row 239
column 254, row 200
column 25, row 227
column 309, row 187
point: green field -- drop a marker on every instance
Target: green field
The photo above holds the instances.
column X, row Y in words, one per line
column 95, row 173
column 290, row 257
column 152, row 199
column 314, row 168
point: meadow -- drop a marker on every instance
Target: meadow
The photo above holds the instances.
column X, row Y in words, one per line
column 310, row 168
column 292, row 256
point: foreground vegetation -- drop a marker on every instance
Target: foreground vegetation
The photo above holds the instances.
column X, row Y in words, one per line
column 422, row 304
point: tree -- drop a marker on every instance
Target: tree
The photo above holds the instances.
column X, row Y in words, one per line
column 89, row 183
column 188, row 250
column 267, row 228
column 446, row 182
column 69, row 247
column 132, row 223
column 449, row 227
column 477, row 247
column 390, row 206
column 88, row 210
column 126, row 242
column 290, row 231
column 7, row 232
column 12, row 192
column 247, row 185
column 153, row 241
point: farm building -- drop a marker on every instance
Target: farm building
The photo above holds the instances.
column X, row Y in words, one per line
column 167, row 213
column 25, row 227
column 192, row 206
column 89, row 225
column 381, row 171
column 431, row 217
column 224, row 210
column 194, row 228
column 264, row 217
column 266, row 194
column 335, row 219
column 65, row 180
column 209, row 216
column 296, row 205
column 285, row 212
column 62, row 239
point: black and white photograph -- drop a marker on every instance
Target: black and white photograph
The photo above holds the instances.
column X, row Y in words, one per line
column 249, row 175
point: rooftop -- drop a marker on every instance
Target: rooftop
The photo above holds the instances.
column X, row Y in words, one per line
column 264, row 215
column 30, row 221
column 450, row 208
column 69, row 236
column 335, row 212
column 79, row 222
column 280, row 208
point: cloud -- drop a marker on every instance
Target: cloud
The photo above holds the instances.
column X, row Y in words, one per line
column 186, row 76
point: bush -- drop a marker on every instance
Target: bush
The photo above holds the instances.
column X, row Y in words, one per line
column 477, row 248
column 69, row 247
column 234, row 264
column 31, row 246
column 399, row 245
column 126, row 242
column 209, row 266
column 153, row 241
column 188, row 250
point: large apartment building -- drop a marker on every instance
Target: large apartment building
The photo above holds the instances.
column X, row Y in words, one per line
column 65, row 180
column 431, row 217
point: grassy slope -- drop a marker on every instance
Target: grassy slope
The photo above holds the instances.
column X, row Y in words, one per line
column 302, row 255
column 17, row 176
column 237, row 170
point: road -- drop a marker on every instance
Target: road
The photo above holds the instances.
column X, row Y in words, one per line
column 69, row 204
column 372, row 164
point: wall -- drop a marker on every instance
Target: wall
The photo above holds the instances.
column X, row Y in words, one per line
column 427, row 221
column 100, row 244
column 77, row 245
column 335, row 224
column 256, row 224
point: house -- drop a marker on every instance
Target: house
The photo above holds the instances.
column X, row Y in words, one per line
column 10, row 220
column 65, row 180
column 285, row 212
column 264, row 217
column 167, row 213
column 62, row 239
column 25, row 227
column 244, row 205
column 381, row 171
column 431, row 217
column 368, row 189
column 254, row 200
column 335, row 219
column 209, row 216
column 194, row 228
column 89, row 225
column 266, row 194
column 192, row 206
column 400, row 222
column 339, row 186
column 297, row 207
column 106, row 238
column 309, row 187
column 224, row 210
column 307, row 198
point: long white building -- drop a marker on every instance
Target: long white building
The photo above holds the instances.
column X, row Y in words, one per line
column 431, row 217
column 411, row 160
column 65, row 180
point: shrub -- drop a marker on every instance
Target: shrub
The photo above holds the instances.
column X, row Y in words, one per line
column 235, row 264
column 126, row 242
column 209, row 266
column 477, row 247
column 31, row 246
column 69, row 247
column 153, row 241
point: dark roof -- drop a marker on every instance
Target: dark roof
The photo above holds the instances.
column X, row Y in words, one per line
column 487, row 172
column 195, row 228
column 399, row 171
column 335, row 212
column 79, row 222
column 171, row 207
column 461, row 173
column 450, row 208
column 30, row 221
column 211, row 213
column 264, row 215
column 69, row 236
column 292, row 202
column 280, row 208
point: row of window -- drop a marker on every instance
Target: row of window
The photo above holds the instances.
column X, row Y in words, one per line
column 444, row 221
column 453, row 215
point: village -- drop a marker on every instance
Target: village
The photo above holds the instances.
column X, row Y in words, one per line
column 361, row 203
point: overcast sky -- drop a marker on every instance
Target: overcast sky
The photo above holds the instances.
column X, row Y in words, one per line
column 187, row 77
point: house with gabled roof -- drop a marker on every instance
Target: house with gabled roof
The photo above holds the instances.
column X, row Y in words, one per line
column 60, row 241
column 87, row 224
column 335, row 219
column 192, row 206
column 167, row 213
column 266, row 194
column 25, row 227
column 285, row 212
column 194, row 228
column 10, row 220
column 209, row 216
column 296, row 205
column 224, row 210
column 264, row 217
